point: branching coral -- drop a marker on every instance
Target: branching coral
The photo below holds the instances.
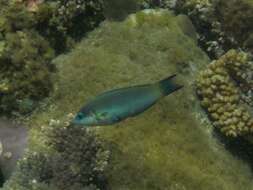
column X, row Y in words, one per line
column 240, row 69
column 220, row 87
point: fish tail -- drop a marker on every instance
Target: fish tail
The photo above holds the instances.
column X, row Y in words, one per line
column 168, row 85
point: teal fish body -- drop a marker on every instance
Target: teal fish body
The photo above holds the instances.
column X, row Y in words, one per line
column 116, row 105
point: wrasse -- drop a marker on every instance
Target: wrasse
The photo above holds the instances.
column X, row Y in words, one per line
column 116, row 105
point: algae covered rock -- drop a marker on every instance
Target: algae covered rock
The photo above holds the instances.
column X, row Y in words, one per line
column 170, row 145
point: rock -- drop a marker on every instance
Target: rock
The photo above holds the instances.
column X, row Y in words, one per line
column 14, row 140
column 171, row 145
column 187, row 27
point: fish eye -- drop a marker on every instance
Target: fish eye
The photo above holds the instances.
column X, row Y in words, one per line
column 79, row 116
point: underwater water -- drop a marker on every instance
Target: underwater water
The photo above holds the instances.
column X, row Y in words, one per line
column 126, row 95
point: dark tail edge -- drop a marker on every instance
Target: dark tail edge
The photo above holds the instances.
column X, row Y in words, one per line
column 168, row 85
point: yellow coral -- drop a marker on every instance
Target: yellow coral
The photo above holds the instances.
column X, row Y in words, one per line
column 219, row 86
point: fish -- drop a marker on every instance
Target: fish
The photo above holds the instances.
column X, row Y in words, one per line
column 117, row 105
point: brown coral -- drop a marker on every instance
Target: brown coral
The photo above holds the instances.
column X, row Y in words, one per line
column 221, row 87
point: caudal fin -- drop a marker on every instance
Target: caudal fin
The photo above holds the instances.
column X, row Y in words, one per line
column 168, row 85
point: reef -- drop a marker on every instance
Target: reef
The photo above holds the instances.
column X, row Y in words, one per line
column 221, row 24
column 75, row 159
column 32, row 33
column 25, row 71
column 236, row 18
column 25, row 62
column 170, row 146
column 225, row 88
column 65, row 22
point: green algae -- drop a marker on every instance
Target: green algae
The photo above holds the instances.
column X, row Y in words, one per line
column 167, row 147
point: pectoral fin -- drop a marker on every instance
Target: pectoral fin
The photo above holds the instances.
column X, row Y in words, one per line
column 101, row 116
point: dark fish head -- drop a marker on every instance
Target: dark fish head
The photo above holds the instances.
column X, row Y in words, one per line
column 85, row 119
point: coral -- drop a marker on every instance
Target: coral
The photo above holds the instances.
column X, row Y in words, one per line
column 64, row 21
column 32, row 171
column 60, row 22
column 25, row 71
column 199, row 10
column 31, row 31
column 15, row 17
column 203, row 16
column 222, row 24
column 76, row 160
column 170, row 146
column 24, row 59
column 82, row 158
column 236, row 18
column 219, row 87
